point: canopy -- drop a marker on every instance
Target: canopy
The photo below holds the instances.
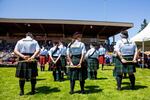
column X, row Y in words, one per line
column 144, row 35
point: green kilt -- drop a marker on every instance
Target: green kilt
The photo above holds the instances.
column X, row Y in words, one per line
column 63, row 61
column 121, row 68
column 78, row 73
column 26, row 69
column 93, row 64
column 57, row 68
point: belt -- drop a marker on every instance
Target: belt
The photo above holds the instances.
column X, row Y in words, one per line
column 78, row 56
column 26, row 54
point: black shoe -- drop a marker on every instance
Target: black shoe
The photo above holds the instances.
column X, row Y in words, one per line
column 82, row 92
column 119, row 88
column 132, row 88
column 32, row 92
column 71, row 92
column 21, row 93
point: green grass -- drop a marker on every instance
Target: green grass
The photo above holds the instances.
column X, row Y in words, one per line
column 102, row 89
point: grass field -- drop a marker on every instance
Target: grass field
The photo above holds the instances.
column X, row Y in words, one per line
column 104, row 88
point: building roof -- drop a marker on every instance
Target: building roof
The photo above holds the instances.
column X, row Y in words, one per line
column 67, row 27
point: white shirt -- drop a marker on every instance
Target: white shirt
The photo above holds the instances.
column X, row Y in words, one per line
column 63, row 50
column 57, row 53
column 121, row 43
column 27, row 45
column 76, row 48
column 90, row 51
column 102, row 51
column 43, row 52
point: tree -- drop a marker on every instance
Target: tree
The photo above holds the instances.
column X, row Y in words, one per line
column 143, row 25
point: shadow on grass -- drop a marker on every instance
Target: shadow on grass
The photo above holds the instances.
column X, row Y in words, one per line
column 40, row 79
column 127, row 83
column 5, row 66
column 92, row 89
column 45, row 90
column 137, row 87
column 101, row 78
column 106, row 69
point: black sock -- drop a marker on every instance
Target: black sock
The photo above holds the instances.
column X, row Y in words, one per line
column 132, row 80
column 102, row 66
column 43, row 68
column 54, row 75
column 119, row 80
column 21, row 84
column 72, row 83
column 33, row 83
column 95, row 74
column 82, row 85
column 62, row 75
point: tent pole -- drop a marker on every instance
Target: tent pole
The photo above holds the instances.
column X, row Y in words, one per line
column 143, row 53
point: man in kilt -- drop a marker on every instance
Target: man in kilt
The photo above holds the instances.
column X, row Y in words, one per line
column 55, row 54
column 92, row 61
column 75, row 53
column 125, row 60
column 43, row 58
column 27, row 49
column 102, row 52
column 63, row 58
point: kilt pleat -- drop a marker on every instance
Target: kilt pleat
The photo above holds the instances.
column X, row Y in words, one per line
column 101, row 59
column 57, row 68
column 26, row 69
column 42, row 60
column 63, row 61
column 78, row 73
column 123, row 68
column 92, row 64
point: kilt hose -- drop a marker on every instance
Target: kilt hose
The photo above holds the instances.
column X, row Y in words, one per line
column 57, row 68
column 121, row 68
column 63, row 64
column 26, row 70
column 78, row 73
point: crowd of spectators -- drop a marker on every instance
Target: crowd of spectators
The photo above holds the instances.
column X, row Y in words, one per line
column 7, row 56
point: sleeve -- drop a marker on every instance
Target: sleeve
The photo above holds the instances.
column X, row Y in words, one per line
column 17, row 47
column 37, row 46
column 117, row 46
column 67, row 51
column 87, row 54
column 83, row 49
column 104, row 50
column 135, row 46
column 50, row 52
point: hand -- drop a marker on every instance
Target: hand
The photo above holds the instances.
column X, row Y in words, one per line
column 134, row 61
column 25, row 57
column 31, row 58
column 79, row 64
column 71, row 64
column 123, row 61
column 54, row 62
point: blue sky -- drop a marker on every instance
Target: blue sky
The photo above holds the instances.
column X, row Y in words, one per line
column 99, row 10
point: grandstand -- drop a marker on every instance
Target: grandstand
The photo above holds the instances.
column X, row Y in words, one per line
column 46, row 30
column 12, row 30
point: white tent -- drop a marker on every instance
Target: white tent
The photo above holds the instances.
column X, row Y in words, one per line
column 144, row 35
column 142, row 39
